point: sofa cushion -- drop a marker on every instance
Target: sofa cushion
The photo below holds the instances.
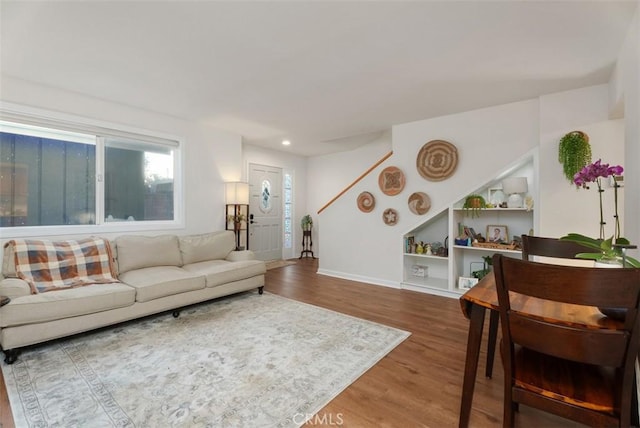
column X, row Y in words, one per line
column 66, row 303
column 160, row 281
column 218, row 272
column 135, row 252
column 208, row 246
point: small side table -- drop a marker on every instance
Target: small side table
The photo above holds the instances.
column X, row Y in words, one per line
column 4, row 300
column 307, row 244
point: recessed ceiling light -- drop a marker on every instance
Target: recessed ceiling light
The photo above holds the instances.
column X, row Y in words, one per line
column 286, row 142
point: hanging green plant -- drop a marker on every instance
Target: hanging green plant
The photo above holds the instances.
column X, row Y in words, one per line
column 574, row 153
column 473, row 204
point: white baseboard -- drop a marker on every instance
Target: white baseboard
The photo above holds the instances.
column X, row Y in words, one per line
column 359, row 278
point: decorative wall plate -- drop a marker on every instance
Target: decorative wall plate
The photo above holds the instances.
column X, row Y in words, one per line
column 419, row 203
column 437, row 160
column 390, row 217
column 391, row 180
column 366, row 202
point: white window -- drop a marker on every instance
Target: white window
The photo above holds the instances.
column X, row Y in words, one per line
column 81, row 176
column 288, row 209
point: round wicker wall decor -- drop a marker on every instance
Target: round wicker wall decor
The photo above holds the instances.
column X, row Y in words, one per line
column 437, row 160
column 390, row 217
column 391, row 180
column 366, row 202
column 419, row 203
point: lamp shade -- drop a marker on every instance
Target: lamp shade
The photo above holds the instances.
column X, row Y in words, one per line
column 515, row 185
column 236, row 193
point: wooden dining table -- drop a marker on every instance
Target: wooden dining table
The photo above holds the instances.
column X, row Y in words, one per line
column 474, row 304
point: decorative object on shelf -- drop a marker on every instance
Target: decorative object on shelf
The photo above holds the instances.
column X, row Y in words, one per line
column 366, row 202
column 465, row 241
column 391, row 180
column 496, row 196
column 306, row 223
column 237, row 210
column 390, row 217
column 606, row 250
column 528, row 202
column 515, row 187
column 420, row 271
column 574, row 153
column 473, row 204
column 494, row 245
column 465, row 283
column 497, row 233
column 409, row 244
column 419, row 203
column 437, row 160
column 487, row 265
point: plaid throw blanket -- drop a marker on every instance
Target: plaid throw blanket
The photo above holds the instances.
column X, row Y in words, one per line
column 49, row 266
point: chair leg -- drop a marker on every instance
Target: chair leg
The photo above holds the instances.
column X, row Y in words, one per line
column 494, row 317
column 509, row 407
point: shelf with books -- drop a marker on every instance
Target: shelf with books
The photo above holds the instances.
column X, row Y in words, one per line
column 468, row 239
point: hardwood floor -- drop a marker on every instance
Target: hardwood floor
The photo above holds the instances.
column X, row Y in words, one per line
column 418, row 384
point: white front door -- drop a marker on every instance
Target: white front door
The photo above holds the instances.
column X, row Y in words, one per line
column 265, row 211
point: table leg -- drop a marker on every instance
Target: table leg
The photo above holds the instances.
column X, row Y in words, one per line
column 494, row 317
column 471, row 364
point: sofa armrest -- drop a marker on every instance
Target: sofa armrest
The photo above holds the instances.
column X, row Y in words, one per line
column 239, row 256
column 14, row 287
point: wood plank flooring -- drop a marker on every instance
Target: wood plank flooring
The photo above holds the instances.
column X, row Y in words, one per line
column 418, row 384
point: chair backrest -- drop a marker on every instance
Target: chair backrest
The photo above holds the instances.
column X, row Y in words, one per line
column 550, row 247
column 614, row 345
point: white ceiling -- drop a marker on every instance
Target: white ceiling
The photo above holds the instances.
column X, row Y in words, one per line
column 328, row 76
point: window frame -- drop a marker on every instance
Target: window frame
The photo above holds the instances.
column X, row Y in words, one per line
column 102, row 130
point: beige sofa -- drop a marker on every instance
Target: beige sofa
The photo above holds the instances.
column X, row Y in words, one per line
column 157, row 274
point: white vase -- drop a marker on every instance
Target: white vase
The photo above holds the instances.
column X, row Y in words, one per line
column 608, row 264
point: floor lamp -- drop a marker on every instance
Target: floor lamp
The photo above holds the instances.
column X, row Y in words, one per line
column 237, row 208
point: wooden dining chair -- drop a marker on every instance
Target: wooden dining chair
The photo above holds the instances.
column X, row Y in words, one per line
column 531, row 246
column 578, row 372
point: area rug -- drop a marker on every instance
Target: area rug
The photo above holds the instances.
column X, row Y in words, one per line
column 247, row 360
column 273, row 264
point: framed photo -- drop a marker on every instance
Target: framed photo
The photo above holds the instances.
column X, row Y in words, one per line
column 465, row 283
column 497, row 233
column 419, row 271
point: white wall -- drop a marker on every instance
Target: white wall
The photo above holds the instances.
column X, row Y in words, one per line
column 210, row 156
column 360, row 246
column 627, row 86
column 292, row 164
column 561, row 204
column 328, row 175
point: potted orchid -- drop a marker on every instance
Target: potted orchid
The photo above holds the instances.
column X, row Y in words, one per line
column 609, row 250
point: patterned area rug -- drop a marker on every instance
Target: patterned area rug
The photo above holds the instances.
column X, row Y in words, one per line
column 247, row 360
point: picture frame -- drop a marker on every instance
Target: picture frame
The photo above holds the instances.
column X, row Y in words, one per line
column 419, row 271
column 497, row 233
column 465, row 283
